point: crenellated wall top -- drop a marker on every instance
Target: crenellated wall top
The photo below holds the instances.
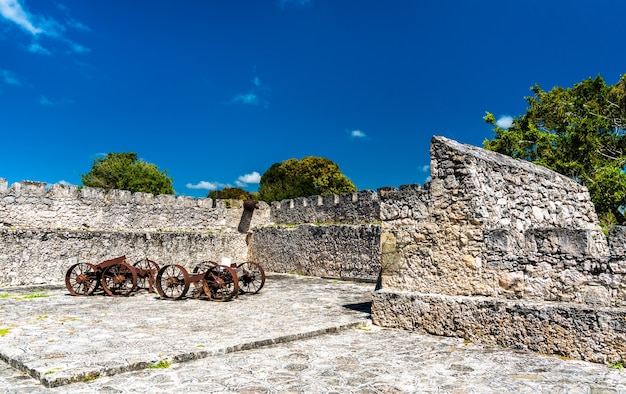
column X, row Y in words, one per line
column 29, row 189
column 360, row 207
column 29, row 204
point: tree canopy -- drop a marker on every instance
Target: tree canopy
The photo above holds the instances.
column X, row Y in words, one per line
column 230, row 193
column 124, row 171
column 302, row 178
column 579, row 132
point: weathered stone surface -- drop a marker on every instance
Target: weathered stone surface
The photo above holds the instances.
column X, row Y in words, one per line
column 570, row 330
column 486, row 226
column 43, row 256
column 340, row 251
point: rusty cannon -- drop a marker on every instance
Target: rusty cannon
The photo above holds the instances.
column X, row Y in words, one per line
column 115, row 276
column 210, row 280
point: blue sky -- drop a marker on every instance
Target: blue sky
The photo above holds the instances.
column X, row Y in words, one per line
column 216, row 91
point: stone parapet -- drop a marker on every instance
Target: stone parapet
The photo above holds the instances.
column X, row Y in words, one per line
column 347, row 208
column 31, row 205
column 564, row 329
column 31, row 257
column 338, row 251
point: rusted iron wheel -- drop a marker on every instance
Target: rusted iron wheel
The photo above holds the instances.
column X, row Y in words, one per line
column 146, row 273
column 119, row 279
column 220, row 283
column 82, row 279
column 172, row 282
column 251, row 277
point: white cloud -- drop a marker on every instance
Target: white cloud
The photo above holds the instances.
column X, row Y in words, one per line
column 39, row 26
column 207, row 185
column 9, row 77
column 426, row 168
column 36, row 48
column 357, row 134
column 62, row 182
column 13, row 11
column 504, row 121
column 248, row 98
column 244, row 180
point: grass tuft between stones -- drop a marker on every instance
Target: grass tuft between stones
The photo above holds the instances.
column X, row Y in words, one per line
column 160, row 365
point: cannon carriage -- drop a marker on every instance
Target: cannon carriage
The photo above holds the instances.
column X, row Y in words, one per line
column 210, row 280
column 115, row 276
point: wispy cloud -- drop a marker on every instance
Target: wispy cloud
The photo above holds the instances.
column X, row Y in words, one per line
column 13, row 11
column 357, row 134
column 504, row 121
column 244, row 180
column 256, row 95
column 45, row 101
column 285, row 3
column 9, row 78
column 42, row 26
column 37, row 48
column 247, row 98
column 76, row 25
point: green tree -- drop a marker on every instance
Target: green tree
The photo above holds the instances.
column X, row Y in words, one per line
column 125, row 172
column 302, row 178
column 230, row 193
column 579, row 132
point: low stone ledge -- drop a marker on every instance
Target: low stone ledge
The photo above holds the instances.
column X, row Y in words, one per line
column 571, row 330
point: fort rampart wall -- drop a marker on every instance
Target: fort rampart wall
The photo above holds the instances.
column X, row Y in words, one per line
column 329, row 236
column 501, row 251
column 43, row 231
column 492, row 249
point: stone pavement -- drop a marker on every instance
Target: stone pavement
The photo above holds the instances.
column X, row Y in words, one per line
column 299, row 334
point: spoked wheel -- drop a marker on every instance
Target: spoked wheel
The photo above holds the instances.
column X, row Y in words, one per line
column 146, row 273
column 119, row 279
column 172, row 282
column 251, row 277
column 220, row 283
column 82, row 279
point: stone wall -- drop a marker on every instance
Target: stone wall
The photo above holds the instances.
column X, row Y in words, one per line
column 31, row 205
column 337, row 251
column 500, row 251
column 43, row 231
column 492, row 249
column 30, row 257
column 329, row 236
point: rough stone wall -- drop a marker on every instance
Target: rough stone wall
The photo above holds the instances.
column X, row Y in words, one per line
column 347, row 208
column 501, row 251
column 44, row 231
column 490, row 225
column 31, row 205
column 337, row 251
column 330, row 236
column 30, row 257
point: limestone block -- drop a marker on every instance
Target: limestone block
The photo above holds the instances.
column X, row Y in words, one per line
column 596, row 295
column 511, row 281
